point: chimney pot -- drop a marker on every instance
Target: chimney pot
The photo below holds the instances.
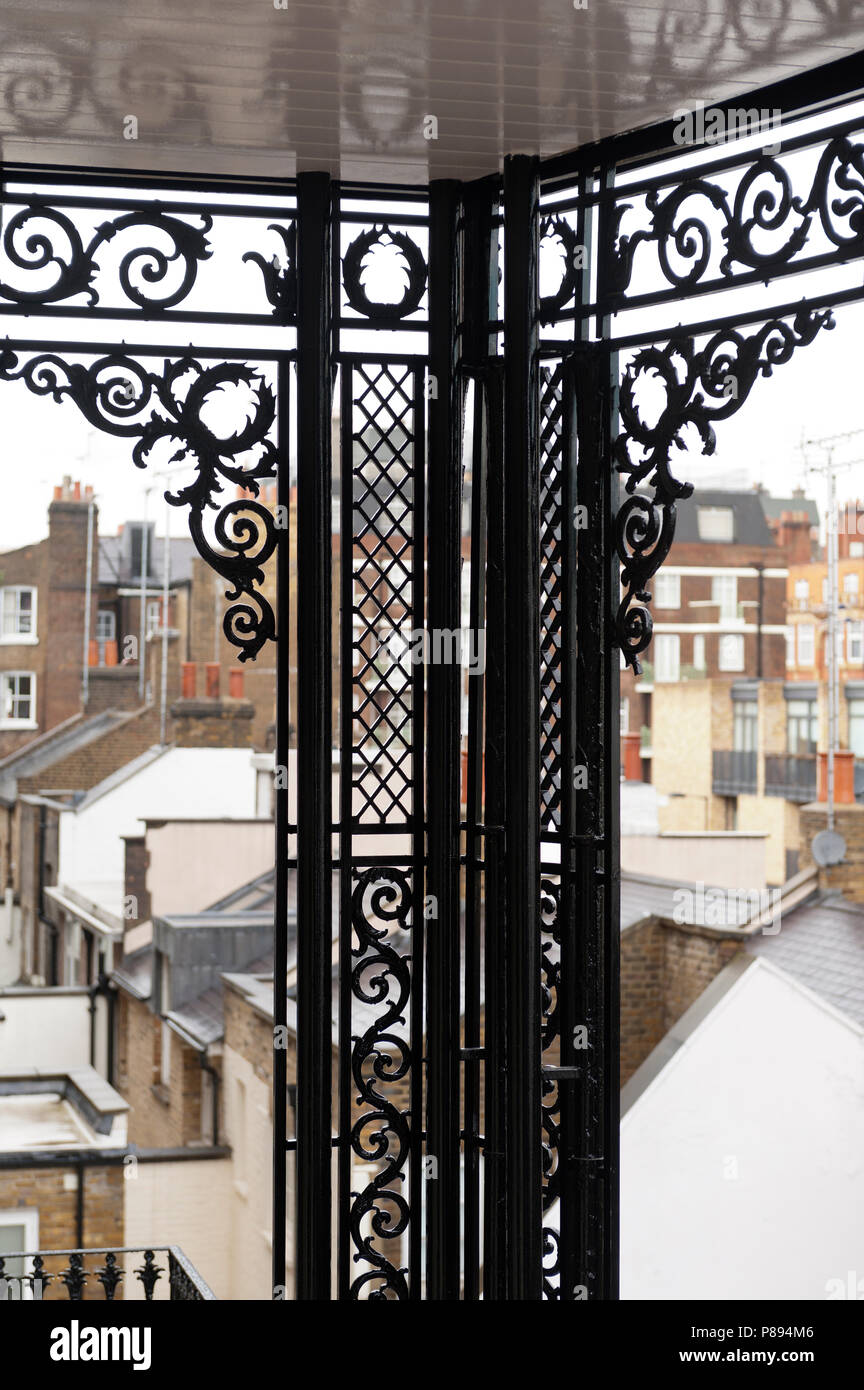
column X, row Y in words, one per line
column 211, row 675
column 235, row 683
column 189, row 678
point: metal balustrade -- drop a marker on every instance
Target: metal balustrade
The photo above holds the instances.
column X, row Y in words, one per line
column 103, row 1272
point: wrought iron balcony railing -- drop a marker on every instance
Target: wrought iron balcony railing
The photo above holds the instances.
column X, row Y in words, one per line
column 792, row 776
column 103, row 1273
column 734, row 772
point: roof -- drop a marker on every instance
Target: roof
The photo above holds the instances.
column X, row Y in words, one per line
column 114, row 565
column 49, row 748
column 643, row 897
column 773, row 506
column 750, row 526
column 821, row 945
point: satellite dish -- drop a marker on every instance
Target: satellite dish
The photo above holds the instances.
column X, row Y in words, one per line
column 828, row 848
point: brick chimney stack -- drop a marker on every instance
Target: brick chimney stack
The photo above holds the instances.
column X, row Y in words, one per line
column 850, row 527
column 212, row 720
column 66, row 582
column 793, row 535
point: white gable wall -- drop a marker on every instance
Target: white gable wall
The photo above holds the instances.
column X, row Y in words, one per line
column 183, row 782
column 742, row 1163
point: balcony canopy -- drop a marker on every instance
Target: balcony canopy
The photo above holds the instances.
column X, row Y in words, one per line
column 388, row 90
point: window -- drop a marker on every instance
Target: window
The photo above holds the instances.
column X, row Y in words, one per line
column 19, row 1231
column 699, row 652
column 855, row 643
column 802, row 593
column 856, row 550
column 730, row 652
column 856, row 727
column 19, row 614
column 18, row 698
column 153, row 620
column 806, row 644
column 724, row 592
column 715, row 523
column 625, row 716
column 106, row 625
column 667, row 591
column 850, row 585
column 802, row 726
column 745, row 726
column 790, row 646
column 667, row 657
column 72, row 944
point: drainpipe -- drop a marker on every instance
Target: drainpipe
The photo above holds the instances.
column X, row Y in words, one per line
column 79, row 1208
column 759, row 607
column 213, row 1073
column 104, row 987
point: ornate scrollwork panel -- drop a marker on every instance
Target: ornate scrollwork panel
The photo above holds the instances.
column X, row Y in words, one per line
column 698, row 385
column 172, row 412
column 708, row 228
column 381, row 913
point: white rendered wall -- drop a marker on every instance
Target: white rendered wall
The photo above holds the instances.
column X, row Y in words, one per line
column 742, row 1164
column 183, row 782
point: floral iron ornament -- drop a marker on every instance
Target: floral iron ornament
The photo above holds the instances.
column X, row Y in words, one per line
column 118, row 395
column 725, row 369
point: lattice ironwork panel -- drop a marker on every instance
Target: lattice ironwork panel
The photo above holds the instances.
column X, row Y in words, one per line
column 383, row 438
column 381, row 1030
column 550, row 595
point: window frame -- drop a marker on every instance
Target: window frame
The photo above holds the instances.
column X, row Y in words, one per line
column 663, row 641
column 663, row 581
column 18, row 638
column 724, row 641
column 13, row 721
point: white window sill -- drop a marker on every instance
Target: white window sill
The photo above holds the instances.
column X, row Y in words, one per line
column 19, row 639
column 18, row 724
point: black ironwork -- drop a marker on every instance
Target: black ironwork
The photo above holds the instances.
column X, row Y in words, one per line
column 789, row 776
column 166, row 409
column 485, row 424
column 734, row 771
column 81, row 1273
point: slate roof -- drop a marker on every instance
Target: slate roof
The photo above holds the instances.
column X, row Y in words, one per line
column 821, row 944
column 773, row 506
column 643, row 897
column 750, row 526
column 42, row 752
column 114, row 567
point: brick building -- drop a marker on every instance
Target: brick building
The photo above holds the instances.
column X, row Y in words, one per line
column 719, row 601
column 43, row 591
column 62, row 1150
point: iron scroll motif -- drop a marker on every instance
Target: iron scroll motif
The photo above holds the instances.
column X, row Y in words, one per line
column 280, row 281
column 381, row 1058
column 763, row 206
column 725, row 369
column 356, row 260
column 118, row 395
column 39, row 236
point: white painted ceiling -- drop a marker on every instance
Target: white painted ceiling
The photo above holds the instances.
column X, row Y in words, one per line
column 241, row 86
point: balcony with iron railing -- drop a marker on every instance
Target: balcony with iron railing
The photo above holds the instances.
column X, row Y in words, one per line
column 734, row 771
column 792, row 776
column 113, row 1274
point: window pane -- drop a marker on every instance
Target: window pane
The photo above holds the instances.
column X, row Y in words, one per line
column 715, row 523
